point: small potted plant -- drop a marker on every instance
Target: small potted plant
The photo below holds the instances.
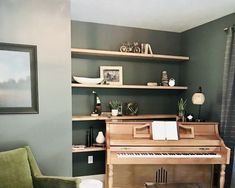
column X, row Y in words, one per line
column 181, row 107
column 114, row 105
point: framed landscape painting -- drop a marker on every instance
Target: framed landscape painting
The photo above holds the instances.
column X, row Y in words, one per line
column 18, row 78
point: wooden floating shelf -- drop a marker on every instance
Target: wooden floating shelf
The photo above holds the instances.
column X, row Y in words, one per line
column 107, row 116
column 106, row 53
column 88, row 149
column 129, row 86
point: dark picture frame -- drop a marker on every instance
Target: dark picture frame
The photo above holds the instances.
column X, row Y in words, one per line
column 112, row 74
column 18, row 79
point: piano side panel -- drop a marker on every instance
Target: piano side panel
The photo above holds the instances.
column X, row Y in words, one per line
column 133, row 176
column 226, row 153
column 107, row 135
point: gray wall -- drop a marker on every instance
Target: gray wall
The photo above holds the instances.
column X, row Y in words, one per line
column 47, row 25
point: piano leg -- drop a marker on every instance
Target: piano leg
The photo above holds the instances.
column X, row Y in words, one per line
column 222, row 175
column 110, row 176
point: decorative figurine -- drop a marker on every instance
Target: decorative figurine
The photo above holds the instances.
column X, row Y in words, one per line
column 131, row 108
column 189, row 117
column 172, row 82
column 135, row 47
column 97, row 105
column 130, row 47
column 164, row 78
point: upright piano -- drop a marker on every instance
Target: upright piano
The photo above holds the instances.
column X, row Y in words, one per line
column 204, row 148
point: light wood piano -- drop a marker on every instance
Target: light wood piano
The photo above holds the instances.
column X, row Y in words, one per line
column 200, row 151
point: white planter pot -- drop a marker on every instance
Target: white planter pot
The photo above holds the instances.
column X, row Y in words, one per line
column 114, row 112
column 100, row 138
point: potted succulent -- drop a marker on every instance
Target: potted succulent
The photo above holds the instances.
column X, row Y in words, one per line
column 114, row 105
column 181, row 107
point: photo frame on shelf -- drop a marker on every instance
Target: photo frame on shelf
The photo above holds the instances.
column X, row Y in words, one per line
column 18, row 79
column 112, row 74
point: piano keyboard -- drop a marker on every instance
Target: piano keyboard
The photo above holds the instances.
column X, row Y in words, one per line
column 167, row 155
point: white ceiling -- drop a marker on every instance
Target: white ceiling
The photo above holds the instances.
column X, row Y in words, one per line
column 166, row 15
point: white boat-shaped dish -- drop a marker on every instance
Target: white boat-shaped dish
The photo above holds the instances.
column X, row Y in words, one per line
column 85, row 80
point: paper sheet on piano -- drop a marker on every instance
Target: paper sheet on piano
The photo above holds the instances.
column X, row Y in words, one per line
column 164, row 130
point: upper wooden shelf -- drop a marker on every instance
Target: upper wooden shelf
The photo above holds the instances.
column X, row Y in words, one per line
column 107, row 116
column 129, row 86
column 105, row 53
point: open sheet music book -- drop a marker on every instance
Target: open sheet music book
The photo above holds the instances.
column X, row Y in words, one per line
column 164, row 130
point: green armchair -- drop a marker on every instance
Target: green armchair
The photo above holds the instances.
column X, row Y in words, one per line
column 18, row 169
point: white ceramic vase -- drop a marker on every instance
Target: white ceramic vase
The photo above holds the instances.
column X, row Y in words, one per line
column 100, row 138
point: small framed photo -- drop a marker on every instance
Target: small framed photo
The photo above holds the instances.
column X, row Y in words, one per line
column 111, row 74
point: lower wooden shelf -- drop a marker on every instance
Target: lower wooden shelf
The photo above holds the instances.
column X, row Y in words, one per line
column 87, row 149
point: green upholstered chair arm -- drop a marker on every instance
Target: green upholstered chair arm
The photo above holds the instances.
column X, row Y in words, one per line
column 41, row 181
column 32, row 162
column 56, row 182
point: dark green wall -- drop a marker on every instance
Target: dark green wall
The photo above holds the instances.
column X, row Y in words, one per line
column 49, row 133
column 80, row 166
column 107, row 37
column 205, row 45
column 110, row 37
